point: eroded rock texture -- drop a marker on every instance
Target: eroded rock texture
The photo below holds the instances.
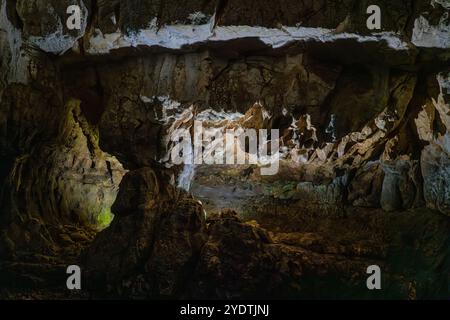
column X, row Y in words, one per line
column 158, row 233
column 364, row 176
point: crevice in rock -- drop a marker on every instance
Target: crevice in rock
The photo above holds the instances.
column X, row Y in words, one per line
column 13, row 15
column 219, row 11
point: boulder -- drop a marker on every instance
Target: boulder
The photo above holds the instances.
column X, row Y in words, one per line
column 150, row 248
column 401, row 185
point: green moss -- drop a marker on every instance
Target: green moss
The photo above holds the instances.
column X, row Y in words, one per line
column 281, row 190
column 104, row 219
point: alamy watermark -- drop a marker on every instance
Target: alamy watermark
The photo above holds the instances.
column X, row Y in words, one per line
column 374, row 20
column 221, row 146
column 74, row 20
column 374, row 280
column 74, row 280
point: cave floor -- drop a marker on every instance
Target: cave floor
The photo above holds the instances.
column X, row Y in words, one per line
column 357, row 237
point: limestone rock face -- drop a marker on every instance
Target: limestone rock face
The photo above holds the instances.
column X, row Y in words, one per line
column 65, row 179
column 365, row 188
column 435, row 168
column 323, row 13
column 433, row 125
column 136, row 14
column 140, row 98
column 44, row 23
column 51, row 15
column 401, row 185
column 53, row 171
column 167, row 232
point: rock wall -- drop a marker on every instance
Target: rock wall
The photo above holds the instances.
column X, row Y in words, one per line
column 52, row 169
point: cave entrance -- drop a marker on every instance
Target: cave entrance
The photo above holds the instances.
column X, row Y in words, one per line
column 235, row 163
